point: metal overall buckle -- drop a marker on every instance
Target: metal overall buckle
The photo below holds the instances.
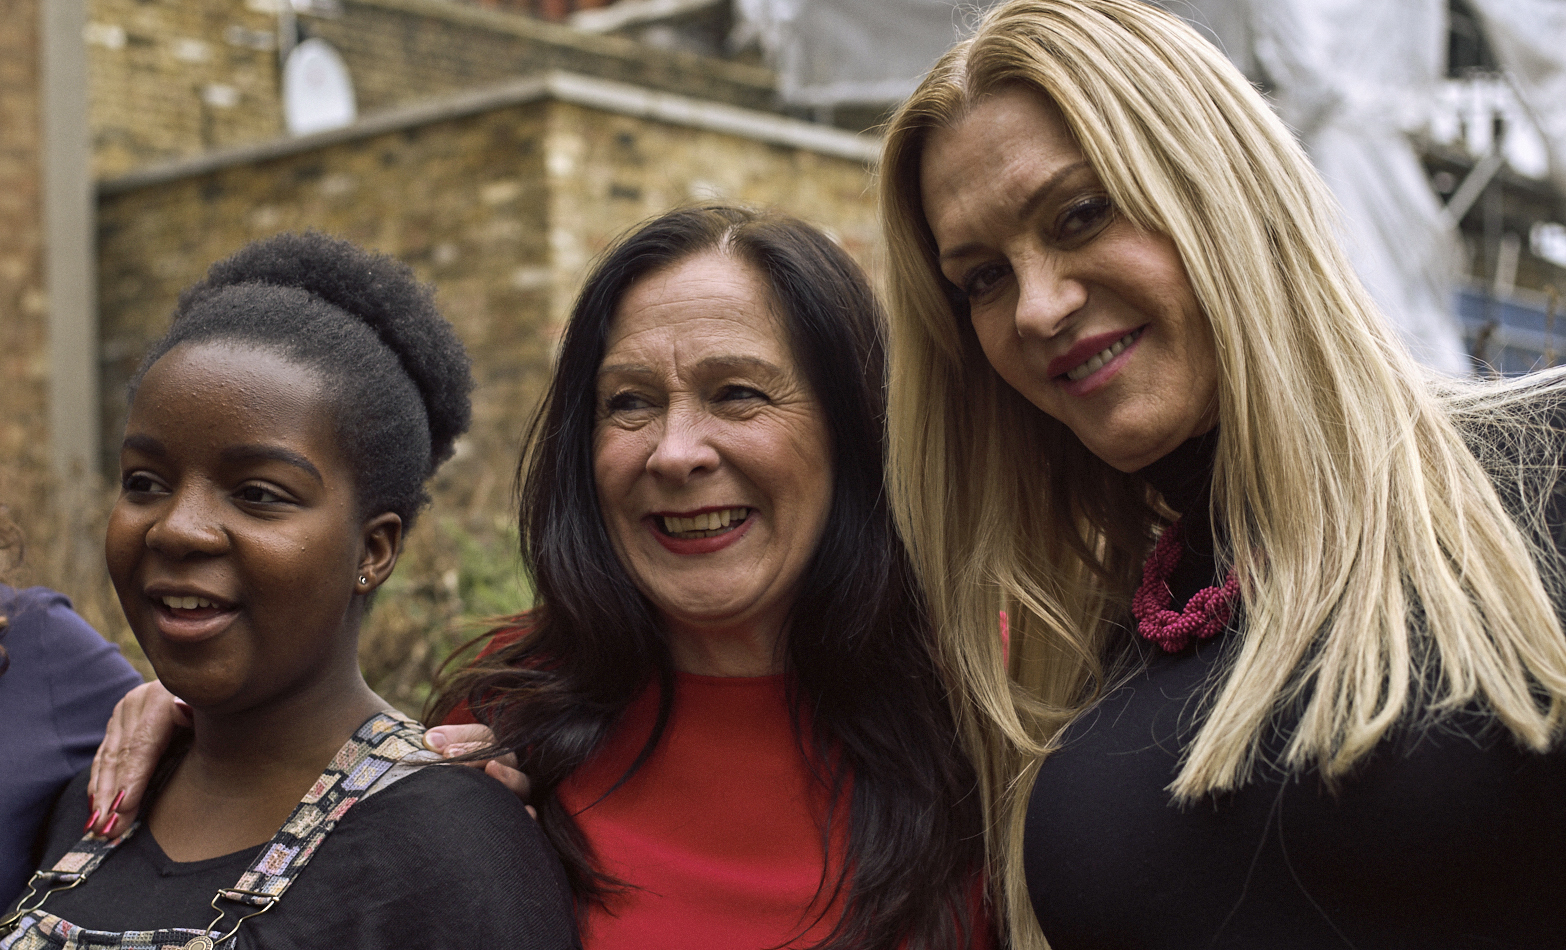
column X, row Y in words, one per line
column 204, row 942
column 22, row 909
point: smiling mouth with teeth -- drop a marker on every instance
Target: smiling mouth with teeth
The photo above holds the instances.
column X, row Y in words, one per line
column 187, row 603
column 1096, row 361
column 705, row 525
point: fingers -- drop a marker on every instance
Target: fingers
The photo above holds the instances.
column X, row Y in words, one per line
column 446, row 739
column 508, row 775
column 455, row 741
column 143, row 723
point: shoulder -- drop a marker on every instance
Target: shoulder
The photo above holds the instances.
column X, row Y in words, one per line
column 41, row 622
column 449, row 837
column 1516, row 420
column 445, row 798
column 61, row 671
column 38, row 612
column 66, row 821
column 1516, row 429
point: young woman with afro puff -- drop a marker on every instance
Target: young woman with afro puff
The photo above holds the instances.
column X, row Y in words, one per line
column 275, row 454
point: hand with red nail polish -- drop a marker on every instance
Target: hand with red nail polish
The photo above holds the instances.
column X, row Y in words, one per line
column 113, row 817
column 142, row 726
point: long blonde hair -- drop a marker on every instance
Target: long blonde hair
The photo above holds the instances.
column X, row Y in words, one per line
column 1381, row 575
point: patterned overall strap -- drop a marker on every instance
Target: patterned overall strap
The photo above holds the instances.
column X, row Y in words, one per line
column 382, row 742
column 72, row 869
column 385, row 747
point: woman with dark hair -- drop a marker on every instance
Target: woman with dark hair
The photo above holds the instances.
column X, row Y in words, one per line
column 726, row 697
column 276, row 450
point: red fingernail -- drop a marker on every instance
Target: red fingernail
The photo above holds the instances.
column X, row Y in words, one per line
column 108, row 825
column 117, row 799
column 92, row 821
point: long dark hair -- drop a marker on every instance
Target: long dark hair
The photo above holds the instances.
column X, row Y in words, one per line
column 859, row 649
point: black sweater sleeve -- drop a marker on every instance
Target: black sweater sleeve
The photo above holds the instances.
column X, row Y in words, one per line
column 445, row 858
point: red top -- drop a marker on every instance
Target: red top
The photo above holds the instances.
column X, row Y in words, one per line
column 719, row 831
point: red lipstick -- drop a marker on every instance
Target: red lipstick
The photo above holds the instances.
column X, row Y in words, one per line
column 691, row 546
column 1086, row 349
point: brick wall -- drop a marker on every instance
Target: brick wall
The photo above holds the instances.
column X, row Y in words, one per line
column 459, row 201
column 170, row 78
column 24, row 357
column 502, row 210
column 609, row 171
column 400, row 50
column 175, row 78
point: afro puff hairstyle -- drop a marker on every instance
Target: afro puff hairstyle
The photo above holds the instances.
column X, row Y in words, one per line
column 393, row 367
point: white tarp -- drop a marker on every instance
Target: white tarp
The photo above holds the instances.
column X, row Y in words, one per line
column 1353, row 79
column 1529, row 38
column 836, row 52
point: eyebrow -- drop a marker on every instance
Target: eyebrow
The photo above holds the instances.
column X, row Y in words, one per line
column 273, row 453
column 706, row 364
column 1039, row 196
column 147, row 445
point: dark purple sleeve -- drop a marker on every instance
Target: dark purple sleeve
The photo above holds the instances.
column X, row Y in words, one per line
column 55, row 698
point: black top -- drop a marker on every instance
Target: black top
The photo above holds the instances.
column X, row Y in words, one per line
column 1453, row 838
column 443, row 858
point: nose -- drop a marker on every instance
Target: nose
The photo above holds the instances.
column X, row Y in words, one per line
column 188, row 524
column 684, row 448
column 1048, row 294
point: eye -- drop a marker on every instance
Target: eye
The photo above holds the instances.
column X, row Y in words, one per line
column 258, row 495
column 626, row 401
column 1082, row 218
column 978, row 283
column 737, row 393
column 138, row 483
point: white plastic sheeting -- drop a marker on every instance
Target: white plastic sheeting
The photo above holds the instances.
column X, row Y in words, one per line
column 1353, row 79
column 836, row 52
column 1529, row 38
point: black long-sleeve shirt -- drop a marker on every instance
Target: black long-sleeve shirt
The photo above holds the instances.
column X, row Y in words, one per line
column 1448, row 838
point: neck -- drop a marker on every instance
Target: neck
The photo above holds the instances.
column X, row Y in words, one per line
column 300, row 732
column 723, row 650
column 1184, row 477
column 246, row 770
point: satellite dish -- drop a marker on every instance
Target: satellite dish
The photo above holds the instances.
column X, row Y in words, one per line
column 317, row 92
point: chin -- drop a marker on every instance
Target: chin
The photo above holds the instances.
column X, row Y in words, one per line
column 1133, row 452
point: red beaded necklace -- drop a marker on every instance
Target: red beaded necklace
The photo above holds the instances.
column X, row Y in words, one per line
column 1205, row 613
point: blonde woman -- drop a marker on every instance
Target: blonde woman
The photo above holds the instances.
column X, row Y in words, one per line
column 1285, row 667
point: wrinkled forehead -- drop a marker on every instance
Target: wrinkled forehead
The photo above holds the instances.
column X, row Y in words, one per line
column 709, row 301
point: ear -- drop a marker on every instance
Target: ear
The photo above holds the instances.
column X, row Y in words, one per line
column 380, row 544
